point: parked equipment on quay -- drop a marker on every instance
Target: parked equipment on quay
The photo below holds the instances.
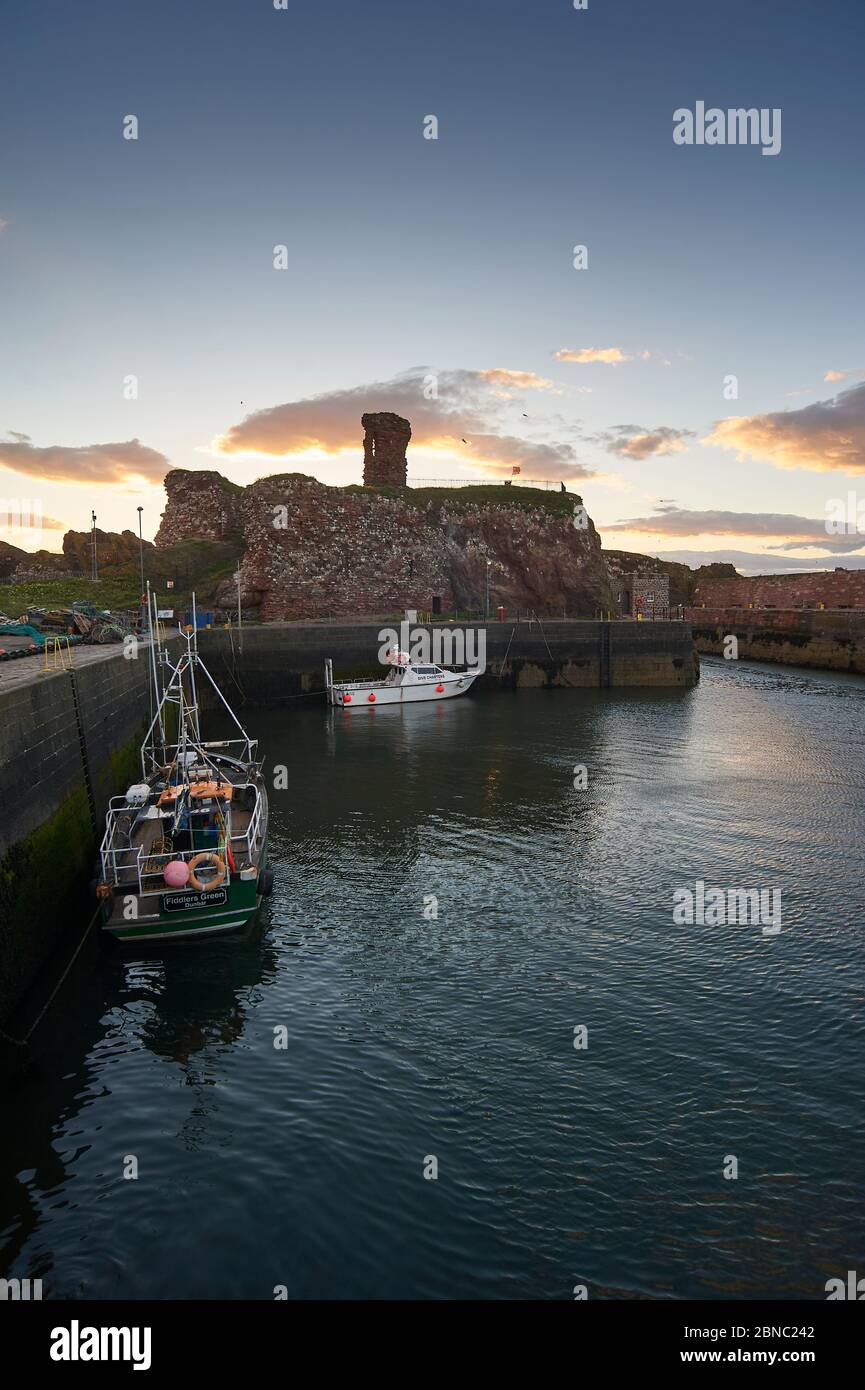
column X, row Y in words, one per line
column 407, row 682
column 185, row 849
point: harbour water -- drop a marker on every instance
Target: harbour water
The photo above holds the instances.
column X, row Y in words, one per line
column 449, row 908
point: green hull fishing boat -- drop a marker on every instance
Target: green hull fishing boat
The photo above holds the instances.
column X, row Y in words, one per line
column 185, row 849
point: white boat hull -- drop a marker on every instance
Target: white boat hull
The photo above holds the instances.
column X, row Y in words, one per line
column 371, row 694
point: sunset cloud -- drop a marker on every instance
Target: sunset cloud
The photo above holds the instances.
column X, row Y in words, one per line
column 789, row 530
column 520, row 381
column 857, row 372
column 611, row 356
column 466, row 417
column 825, row 436
column 86, row 463
column 24, row 521
column 636, row 442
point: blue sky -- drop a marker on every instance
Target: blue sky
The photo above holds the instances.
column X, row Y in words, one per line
column 407, row 257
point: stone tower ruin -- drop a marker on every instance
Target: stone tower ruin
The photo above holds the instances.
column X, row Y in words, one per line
column 385, row 440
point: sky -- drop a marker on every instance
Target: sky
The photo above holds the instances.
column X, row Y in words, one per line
column 283, row 247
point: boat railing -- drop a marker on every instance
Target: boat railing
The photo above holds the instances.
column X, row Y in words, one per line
column 169, row 753
column 152, row 867
column 143, row 872
column 245, row 843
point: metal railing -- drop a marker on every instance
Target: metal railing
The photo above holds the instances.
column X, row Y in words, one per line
column 250, row 835
column 132, row 865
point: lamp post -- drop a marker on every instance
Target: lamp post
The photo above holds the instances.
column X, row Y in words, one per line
column 141, row 564
column 94, row 567
column 487, row 603
column 239, row 614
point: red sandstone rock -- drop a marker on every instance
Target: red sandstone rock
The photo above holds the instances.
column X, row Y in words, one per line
column 316, row 551
column 112, row 549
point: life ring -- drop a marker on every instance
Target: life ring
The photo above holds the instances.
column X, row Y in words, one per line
column 206, row 857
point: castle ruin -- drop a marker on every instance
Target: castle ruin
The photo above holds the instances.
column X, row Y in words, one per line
column 385, row 440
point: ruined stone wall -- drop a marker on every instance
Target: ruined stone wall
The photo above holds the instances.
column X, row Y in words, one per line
column 201, row 506
column 385, row 441
column 317, row 551
column 837, row 589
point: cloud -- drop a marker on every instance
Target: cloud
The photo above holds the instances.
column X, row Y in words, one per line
column 842, row 376
column 4, row 223
column 611, row 356
column 28, row 521
column 751, row 562
column 792, row 531
column 520, row 381
column 824, row 436
column 468, row 406
column 636, row 442
column 86, row 463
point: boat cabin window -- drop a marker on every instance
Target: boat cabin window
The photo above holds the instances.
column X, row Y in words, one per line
column 425, row 670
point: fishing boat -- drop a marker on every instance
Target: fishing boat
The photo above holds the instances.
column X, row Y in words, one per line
column 184, row 852
column 406, row 683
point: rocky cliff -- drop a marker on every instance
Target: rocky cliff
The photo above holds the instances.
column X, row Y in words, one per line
column 311, row 550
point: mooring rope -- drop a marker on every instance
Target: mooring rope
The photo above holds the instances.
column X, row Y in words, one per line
column 22, row 1042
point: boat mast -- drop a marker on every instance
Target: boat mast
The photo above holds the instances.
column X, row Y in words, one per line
column 193, row 658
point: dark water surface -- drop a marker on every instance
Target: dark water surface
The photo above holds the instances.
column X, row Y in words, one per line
column 453, row 1037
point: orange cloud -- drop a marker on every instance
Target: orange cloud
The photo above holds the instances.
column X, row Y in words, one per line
column 22, row 521
column 635, row 442
column 611, row 356
column 86, row 463
column 520, row 381
column 842, row 376
column 825, row 436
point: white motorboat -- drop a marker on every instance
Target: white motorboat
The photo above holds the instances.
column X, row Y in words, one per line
column 407, row 682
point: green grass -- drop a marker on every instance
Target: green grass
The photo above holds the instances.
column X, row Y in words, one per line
column 480, row 495
column 199, row 563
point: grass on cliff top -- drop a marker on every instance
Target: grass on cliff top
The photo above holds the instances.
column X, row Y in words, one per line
column 480, row 495
column 473, row 494
column 201, row 564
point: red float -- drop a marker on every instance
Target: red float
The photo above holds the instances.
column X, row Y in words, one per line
column 440, row 690
column 371, row 696
column 346, row 699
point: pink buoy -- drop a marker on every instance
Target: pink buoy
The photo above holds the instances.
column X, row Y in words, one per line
column 176, row 873
column 371, row 697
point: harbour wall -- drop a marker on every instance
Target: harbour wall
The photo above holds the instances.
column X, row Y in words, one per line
column 282, row 661
column 69, row 740
column 823, row 639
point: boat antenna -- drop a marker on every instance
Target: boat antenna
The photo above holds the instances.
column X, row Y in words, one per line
column 193, row 703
